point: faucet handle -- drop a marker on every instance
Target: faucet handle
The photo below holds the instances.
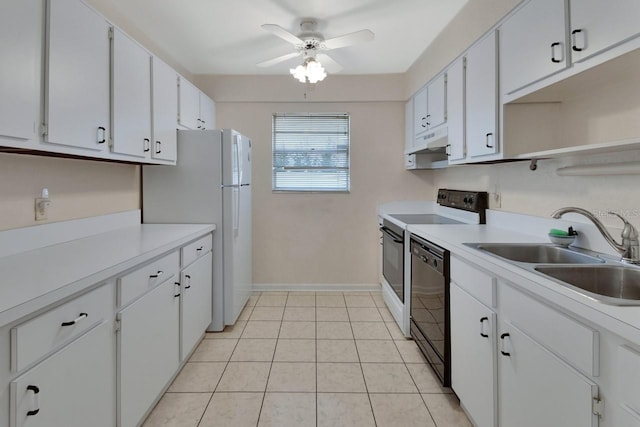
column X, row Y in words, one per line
column 629, row 231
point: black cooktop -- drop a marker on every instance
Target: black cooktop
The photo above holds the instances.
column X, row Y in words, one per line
column 424, row 219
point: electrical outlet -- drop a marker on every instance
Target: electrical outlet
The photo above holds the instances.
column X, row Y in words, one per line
column 496, row 200
column 42, row 208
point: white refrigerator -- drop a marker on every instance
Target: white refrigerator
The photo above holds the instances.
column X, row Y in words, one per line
column 211, row 183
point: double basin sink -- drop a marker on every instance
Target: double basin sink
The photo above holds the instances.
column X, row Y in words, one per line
column 605, row 281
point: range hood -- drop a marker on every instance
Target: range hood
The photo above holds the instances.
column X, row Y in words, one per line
column 434, row 140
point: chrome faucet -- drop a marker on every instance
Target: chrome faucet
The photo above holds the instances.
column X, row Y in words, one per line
column 629, row 248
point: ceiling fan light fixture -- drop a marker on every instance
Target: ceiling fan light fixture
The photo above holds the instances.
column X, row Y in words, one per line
column 311, row 70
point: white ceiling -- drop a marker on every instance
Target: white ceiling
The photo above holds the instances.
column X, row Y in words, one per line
column 224, row 36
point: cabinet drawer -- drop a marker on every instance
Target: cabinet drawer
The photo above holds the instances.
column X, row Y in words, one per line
column 144, row 278
column 476, row 282
column 576, row 343
column 195, row 250
column 35, row 338
column 628, row 374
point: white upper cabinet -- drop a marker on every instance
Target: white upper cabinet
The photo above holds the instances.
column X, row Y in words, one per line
column 532, row 44
column 482, row 98
column 20, row 69
column 436, row 101
column 189, row 105
column 207, row 112
column 165, row 111
column 408, row 126
column 420, row 112
column 597, row 25
column 455, row 111
column 77, row 76
column 131, row 97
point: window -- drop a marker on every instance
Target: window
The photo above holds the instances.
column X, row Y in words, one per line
column 311, row 152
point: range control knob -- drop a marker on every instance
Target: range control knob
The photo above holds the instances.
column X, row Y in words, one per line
column 470, row 200
column 465, row 200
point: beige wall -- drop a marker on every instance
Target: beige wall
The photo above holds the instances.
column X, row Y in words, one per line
column 326, row 238
column 473, row 20
column 77, row 188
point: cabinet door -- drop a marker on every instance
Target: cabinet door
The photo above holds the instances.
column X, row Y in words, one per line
column 473, row 378
column 532, row 44
column 537, row 388
column 455, row 111
column 207, row 112
column 21, row 42
column 131, row 101
column 420, row 119
column 148, row 347
column 189, row 105
column 408, row 126
column 165, row 111
column 196, row 302
column 482, row 98
column 436, row 101
column 77, row 76
column 73, row 388
column 597, row 25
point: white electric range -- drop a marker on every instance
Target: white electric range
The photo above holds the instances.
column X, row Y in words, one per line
column 452, row 207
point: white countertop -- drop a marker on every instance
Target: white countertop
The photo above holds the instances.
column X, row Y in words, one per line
column 622, row 320
column 35, row 278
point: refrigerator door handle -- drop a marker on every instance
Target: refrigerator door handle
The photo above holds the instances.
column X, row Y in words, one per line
column 236, row 209
column 236, row 148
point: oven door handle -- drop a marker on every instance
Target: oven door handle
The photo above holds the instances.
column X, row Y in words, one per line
column 396, row 238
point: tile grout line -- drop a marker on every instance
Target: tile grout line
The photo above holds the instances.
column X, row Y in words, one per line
column 366, row 387
column 266, row 385
column 224, row 370
column 404, row 362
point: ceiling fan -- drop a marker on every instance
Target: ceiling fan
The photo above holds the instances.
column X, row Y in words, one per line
column 310, row 44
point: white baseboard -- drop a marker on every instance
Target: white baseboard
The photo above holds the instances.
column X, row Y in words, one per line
column 341, row 287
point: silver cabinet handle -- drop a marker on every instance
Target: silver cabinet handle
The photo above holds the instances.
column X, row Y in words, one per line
column 553, row 52
column 187, row 285
column 198, row 250
column 482, row 320
column 158, row 147
column 36, row 399
column 102, row 135
column 574, row 41
column 487, row 141
column 502, row 337
column 158, row 274
column 82, row 316
column 176, row 293
column 447, row 150
column 146, row 145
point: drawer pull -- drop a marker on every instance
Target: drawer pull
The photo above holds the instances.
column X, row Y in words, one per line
column 502, row 337
column 199, row 249
column 76, row 320
column 188, row 284
column 482, row 334
column 36, row 399
column 158, row 274
column 177, row 293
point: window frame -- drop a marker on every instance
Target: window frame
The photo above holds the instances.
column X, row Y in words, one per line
column 347, row 190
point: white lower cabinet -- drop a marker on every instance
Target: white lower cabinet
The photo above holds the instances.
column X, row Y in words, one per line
column 537, row 388
column 195, row 313
column 473, row 327
column 74, row 387
column 148, row 350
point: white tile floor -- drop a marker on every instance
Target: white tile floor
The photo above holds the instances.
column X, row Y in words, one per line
column 308, row 359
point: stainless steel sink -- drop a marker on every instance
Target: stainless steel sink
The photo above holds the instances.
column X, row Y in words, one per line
column 537, row 253
column 611, row 284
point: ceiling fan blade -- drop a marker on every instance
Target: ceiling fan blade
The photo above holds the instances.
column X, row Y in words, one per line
column 329, row 63
column 277, row 60
column 348, row 39
column 282, row 33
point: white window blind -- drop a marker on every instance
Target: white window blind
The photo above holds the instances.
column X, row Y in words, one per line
column 311, row 152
